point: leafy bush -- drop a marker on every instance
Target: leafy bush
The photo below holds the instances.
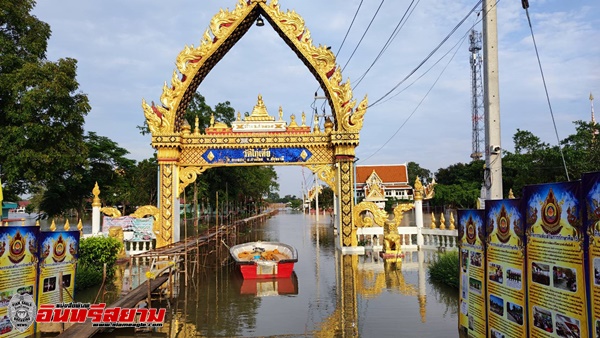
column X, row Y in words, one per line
column 93, row 253
column 446, row 269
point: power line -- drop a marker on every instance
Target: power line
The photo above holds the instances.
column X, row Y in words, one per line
column 365, row 33
column 395, row 32
column 423, row 99
column 525, row 4
column 428, row 56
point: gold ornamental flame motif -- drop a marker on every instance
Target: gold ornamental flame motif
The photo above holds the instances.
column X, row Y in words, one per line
column 16, row 248
column 551, row 212
column 59, row 250
column 471, row 231
column 503, row 221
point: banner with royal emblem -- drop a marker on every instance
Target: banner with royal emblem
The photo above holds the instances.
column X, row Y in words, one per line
column 556, row 260
column 471, row 240
column 506, row 290
column 58, row 254
column 18, row 276
column 590, row 183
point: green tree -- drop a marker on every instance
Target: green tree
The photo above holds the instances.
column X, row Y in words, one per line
column 42, row 112
column 414, row 170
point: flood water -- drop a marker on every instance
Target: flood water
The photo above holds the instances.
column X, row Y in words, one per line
column 381, row 299
column 392, row 301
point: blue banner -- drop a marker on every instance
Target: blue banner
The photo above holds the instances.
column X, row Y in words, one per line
column 257, row 155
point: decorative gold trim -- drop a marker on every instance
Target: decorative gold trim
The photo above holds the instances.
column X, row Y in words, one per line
column 111, row 212
column 327, row 174
column 188, row 175
column 96, row 192
column 146, row 210
column 377, row 216
column 399, row 212
column 225, row 28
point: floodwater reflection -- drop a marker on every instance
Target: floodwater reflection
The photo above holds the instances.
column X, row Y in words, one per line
column 330, row 294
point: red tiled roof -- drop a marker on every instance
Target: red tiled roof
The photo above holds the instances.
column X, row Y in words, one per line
column 389, row 173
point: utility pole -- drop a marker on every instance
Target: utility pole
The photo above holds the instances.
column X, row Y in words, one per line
column 493, row 146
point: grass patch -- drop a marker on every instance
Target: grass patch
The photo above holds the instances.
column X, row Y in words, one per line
column 445, row 270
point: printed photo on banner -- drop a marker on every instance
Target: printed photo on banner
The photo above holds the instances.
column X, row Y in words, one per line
column 464, row 254
column 497, row 334
column 540, row 273
column 564, row 278
column 475, row 258
column 567, row 327
column 514, row 313
column 5, row 325
column 495, row 273
column 542, row 319
column 514, row 278
column 465, row 285
column 497, row 305
column 597, row 271
column 475, row 286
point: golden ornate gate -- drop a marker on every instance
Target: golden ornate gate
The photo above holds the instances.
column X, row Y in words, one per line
column 259, row 139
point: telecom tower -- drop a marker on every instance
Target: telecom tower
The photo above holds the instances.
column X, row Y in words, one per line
column 476, row 95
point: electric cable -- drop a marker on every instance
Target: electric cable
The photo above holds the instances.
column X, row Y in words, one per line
column 525, row 4
column 395, row 32
column 429, row 55
column 420, row 102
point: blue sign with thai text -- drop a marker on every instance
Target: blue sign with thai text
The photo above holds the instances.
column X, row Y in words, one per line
column 257, row 155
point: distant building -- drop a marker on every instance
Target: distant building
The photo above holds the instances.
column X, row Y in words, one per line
column 378, row 183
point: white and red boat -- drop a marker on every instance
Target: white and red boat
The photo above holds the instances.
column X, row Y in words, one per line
column 264, row 259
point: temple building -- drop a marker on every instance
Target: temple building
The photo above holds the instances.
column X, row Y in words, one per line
column 378, row 183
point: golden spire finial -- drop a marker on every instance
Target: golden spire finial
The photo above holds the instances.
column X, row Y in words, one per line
column 442, row 222
column 197, row 125
column 96, row 191
column 418, row 190
column 80, row 228
column 67, row 225
column 212, row 120
column 52, row 226
column 37, row 223
column 433, row 221
column 280, row 113
column 510, row 194
column 303, row 119
column 452, row 225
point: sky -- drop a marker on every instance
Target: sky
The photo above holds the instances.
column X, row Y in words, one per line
column 126, row 52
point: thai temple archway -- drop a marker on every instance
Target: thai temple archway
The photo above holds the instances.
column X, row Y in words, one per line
column 259, row 139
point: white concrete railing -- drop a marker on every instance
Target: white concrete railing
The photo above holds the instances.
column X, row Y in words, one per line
column 432, row 238
column 135, row 247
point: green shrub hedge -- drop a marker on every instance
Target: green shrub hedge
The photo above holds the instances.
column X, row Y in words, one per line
column 446, row 269
column 93, row 253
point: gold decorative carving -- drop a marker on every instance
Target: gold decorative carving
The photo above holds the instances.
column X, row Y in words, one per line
column 430, row 190
column 67, row 226
column 111, row 212
column 373, row 215
column 399, row 212
column 418, row 190
column 117, row 232
column 188, row 175
column 391, row 238
column 327, row 174
column 442, row 222
column 433, row 226
column 146, row 210
column 96, row 192
column 452, row 222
